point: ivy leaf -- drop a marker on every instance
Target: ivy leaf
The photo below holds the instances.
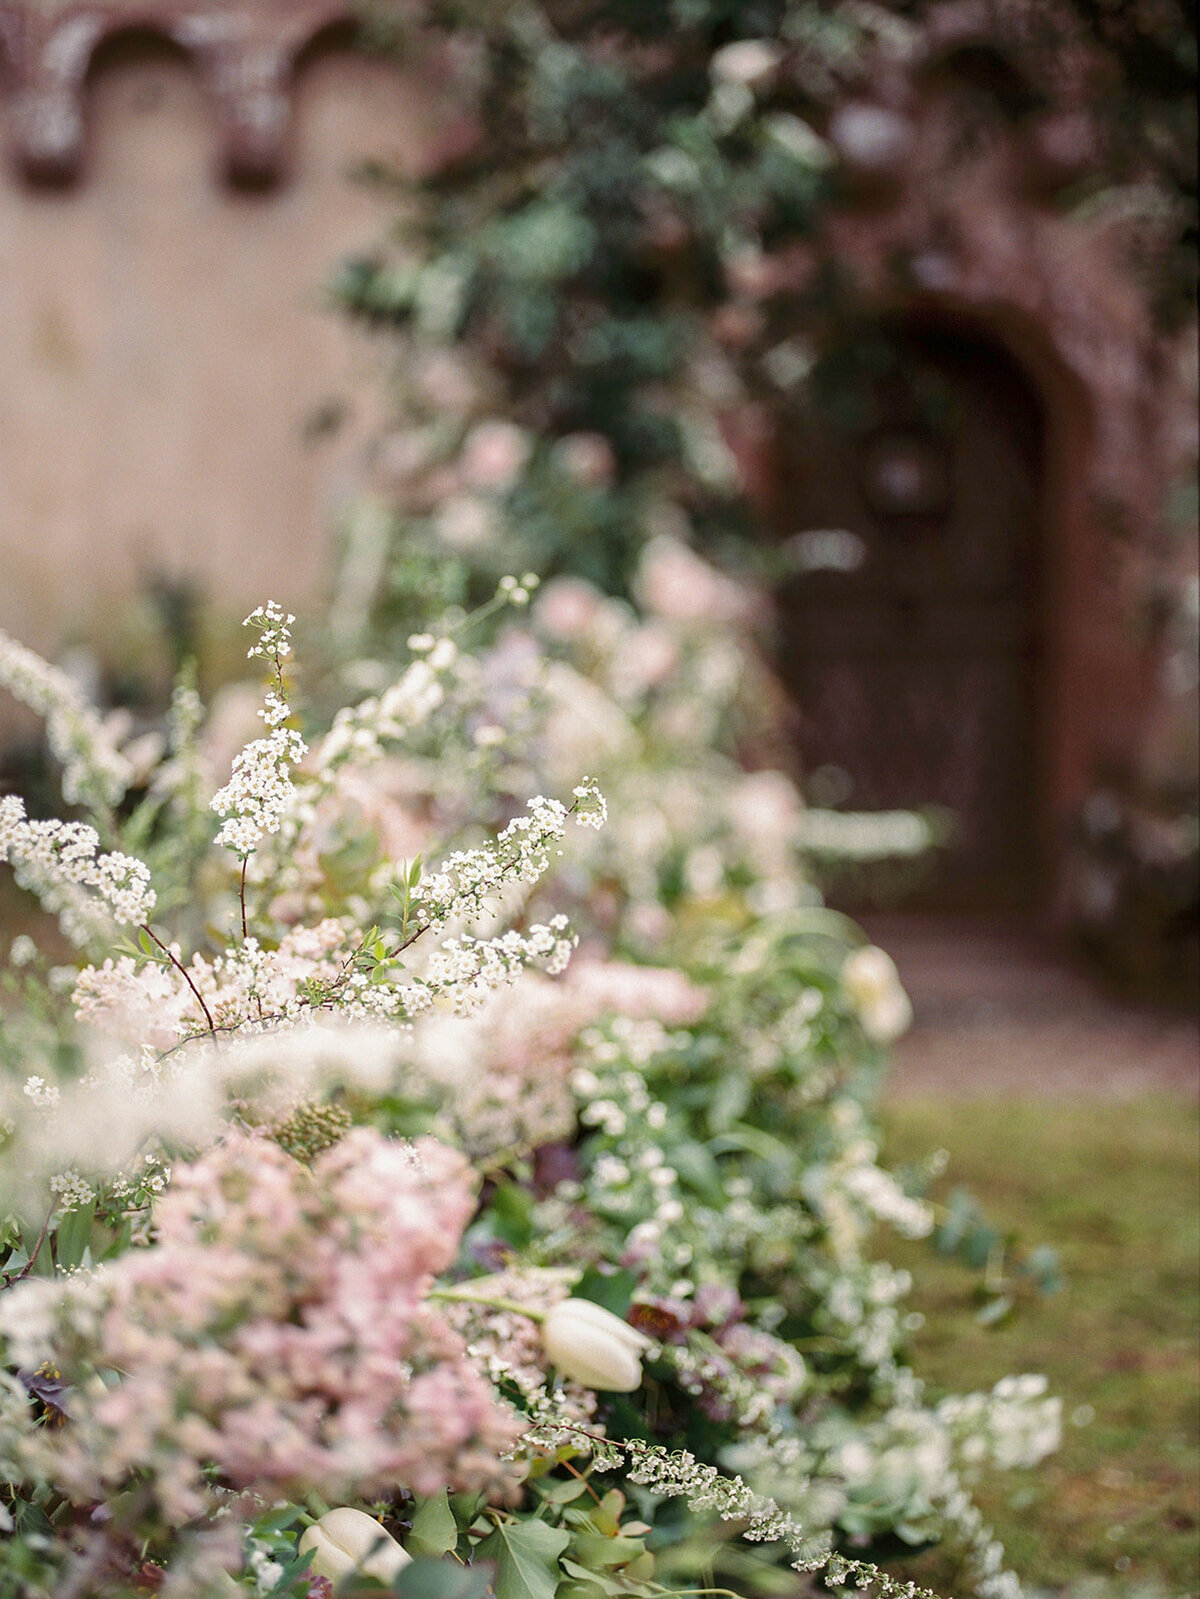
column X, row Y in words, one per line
column 595, row 1581
column 526, row 1555
column 434, row 1529
column 597, row 1552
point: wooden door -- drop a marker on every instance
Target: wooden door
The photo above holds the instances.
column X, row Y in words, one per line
column 911, row 503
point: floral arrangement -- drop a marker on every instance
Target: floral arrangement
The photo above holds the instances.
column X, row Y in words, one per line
column 371, row 1226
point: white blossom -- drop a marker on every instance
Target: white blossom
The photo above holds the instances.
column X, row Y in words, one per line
column 261, row 790
column 94, row 771
column 50, row 857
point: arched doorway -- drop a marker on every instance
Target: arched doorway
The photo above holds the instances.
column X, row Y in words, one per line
column 911, row 502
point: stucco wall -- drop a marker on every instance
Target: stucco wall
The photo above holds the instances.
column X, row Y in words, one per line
column 164, row 347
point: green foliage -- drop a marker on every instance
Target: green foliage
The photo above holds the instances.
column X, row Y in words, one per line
column 434, row 1530
column 441, row 1579
column 526, row 1554
column 575, row 258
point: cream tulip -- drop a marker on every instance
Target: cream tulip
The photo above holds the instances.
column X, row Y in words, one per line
column 346, row 1541
column 594, row 1347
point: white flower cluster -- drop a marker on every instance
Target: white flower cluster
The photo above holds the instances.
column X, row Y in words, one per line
column 464, row 971
column 273, row 626
column 260, row 790
column 878, row 1193
column 590, row 807
column 41, row 1093
column 864, row 835
column 872, row 985
column 860, row 1305
column 47, row 855
column 94, row 770
column 108, row 1130
column 360, row 732
column 520, row 853
column 1017, row 1425
column 71, row 1191
column 679, row 1475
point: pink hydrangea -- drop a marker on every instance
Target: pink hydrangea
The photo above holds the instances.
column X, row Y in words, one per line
column 278, row 1331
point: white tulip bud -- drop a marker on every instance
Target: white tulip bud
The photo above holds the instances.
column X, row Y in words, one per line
column 345, row 1541
column 591, row 1345
column 872, row 984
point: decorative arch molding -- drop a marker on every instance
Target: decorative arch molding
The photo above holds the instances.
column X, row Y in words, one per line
column 245, row 55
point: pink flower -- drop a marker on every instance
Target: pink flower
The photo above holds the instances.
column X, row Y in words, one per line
column 494, row 454
column 278, row 1332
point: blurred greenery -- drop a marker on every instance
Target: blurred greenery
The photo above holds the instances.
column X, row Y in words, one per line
column 634, row 248
column 1113, row 1186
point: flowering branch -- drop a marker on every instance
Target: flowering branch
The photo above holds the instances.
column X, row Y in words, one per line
column 95, row 773
column 260, row 789
column 678, row 1474
column 55, row 858
column 183, row 972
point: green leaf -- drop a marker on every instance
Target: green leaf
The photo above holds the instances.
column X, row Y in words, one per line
column 526, row 1555
column 277, row 1521
column 512, row 1214
column 613, row 1290
column 558, row 1492
column 729, row 1100
column 434, row 1529
column 597, row 1552
column 699, row 1170
column 598, row 1582
column 74, row 1235
column 426, row 1578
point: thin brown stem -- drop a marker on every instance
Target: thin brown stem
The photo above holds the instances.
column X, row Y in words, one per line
column 412, row 937
column 183, row 972
column 579, row 1477
column 34, row 1253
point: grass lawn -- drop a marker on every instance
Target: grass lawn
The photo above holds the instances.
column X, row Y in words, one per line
column 1115, row 1188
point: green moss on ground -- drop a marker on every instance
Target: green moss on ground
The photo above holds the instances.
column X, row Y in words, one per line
column 1114, row 1186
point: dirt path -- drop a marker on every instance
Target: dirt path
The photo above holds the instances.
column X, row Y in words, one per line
column 1000, row 1010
